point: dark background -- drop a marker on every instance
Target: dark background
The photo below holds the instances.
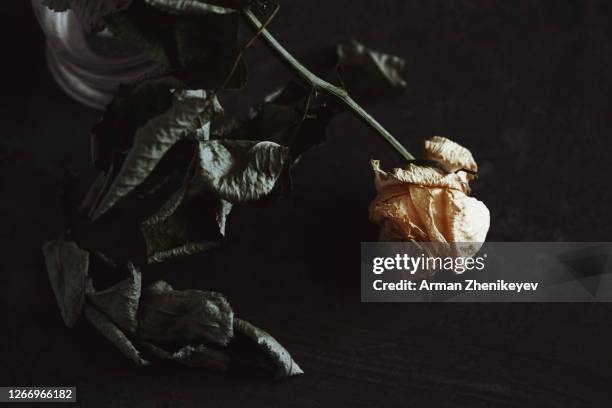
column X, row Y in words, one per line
column 524, row 84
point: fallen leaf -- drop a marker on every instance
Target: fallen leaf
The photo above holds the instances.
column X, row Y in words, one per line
column 184, row 317
column 114, row 334
column 274, row 353
column 67, row 266
column 120, row 301
column 192, row 356
column 184, row 225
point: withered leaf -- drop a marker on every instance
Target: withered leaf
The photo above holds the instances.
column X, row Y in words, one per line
column 67, row 266
column 275, row 355
column 291, row 116
column 370, row 72
column 190, row 110
column 113, row 333
column 200, row 48
column 184, row 225
column 241, row 170
column 226, row 172
column 189, row 7
column 146, row 28
column 192, row 356
column 91, row 13
column 120, row 301
column 131, row 108
column 184, row 317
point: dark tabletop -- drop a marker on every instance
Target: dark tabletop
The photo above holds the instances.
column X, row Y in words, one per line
column 524, row 84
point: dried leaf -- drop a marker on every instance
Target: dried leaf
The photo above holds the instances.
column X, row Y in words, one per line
column 91, row 13
column 114, row 334
column 120, row 301
column 291, row 116
column 184, row 317
column 189, row 7
column 274, row 353
column 225, row 207
column 186, row 224
column 192, row 356
column 146, row 28
column 189, row 111
column 241, row 170
column 370, row 72
column 228, row 172
column 200, row 48
column 67, row 266
column 131, row 108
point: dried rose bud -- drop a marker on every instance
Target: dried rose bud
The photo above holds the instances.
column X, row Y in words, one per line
column 427, row 204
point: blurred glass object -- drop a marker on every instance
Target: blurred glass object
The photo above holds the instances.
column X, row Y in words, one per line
column 88, row 67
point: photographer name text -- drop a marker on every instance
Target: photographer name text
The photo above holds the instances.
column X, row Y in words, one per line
column 466, row 285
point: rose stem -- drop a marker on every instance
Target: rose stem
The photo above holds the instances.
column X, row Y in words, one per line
column 319, row 84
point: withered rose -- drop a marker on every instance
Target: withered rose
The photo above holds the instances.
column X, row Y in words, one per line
column 424, row 203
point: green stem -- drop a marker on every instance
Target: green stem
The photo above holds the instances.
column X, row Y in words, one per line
column 319, row 84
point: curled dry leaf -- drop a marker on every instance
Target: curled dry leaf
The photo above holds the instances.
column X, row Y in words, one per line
column 241, row 170
column 114, row 334
column 131, row 108
column 190, row 110
column 186, row 224
column 184, row 317
column 91, row 13
column 275, row 355
column 425, row 204
column 296, row 117
column 67, row 266
column 120, row 301
column 226, row 172
column 189, row 7
column 291, row 116
column 192, row 356
column 197, row 41
column 366, row 71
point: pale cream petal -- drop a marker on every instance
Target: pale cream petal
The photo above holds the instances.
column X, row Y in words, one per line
column 430, row 205
column 468, row 221
column 397, row 217
column 451, row 154
column 416, row 175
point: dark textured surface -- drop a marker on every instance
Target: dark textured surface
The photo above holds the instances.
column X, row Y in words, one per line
column 524, row 84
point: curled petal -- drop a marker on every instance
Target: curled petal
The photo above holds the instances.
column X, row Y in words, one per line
column 452, row 155
column 416, row 175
